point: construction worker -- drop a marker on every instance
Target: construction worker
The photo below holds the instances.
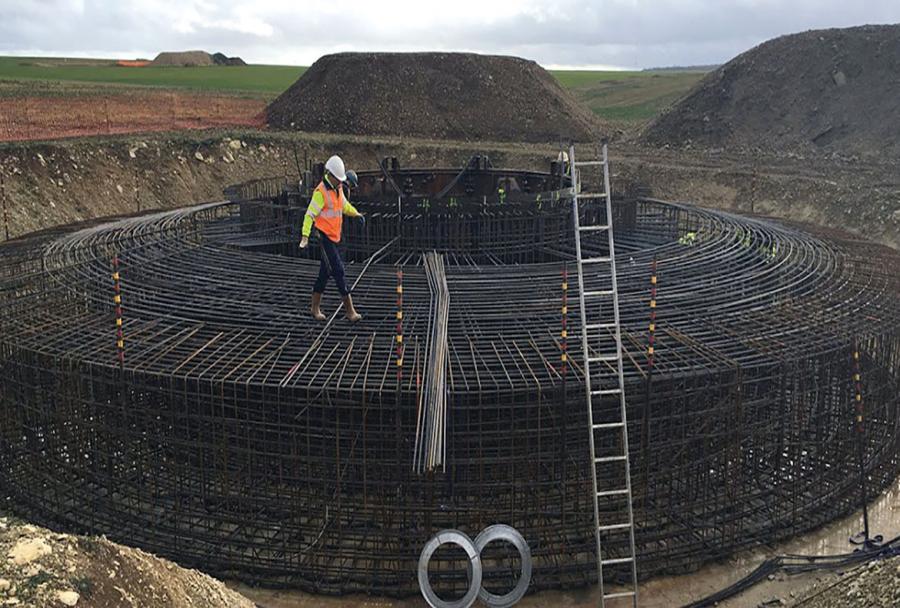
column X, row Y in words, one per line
column 352, row 181
column 688, row 239
column 326, row 210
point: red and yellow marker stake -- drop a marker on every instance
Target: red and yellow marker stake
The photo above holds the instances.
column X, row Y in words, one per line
column 651, row 342
column 117, row 300
column 5, row 214
column 400, row 348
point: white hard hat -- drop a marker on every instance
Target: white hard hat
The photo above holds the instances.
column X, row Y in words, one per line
column 335, row 166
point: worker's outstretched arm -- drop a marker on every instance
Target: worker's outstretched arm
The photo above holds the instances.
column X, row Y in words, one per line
column 316, row 204
column 350, row 210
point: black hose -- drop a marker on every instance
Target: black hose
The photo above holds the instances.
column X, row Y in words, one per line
column 799, row 564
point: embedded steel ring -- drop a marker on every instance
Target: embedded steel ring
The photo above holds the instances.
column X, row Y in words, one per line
column 453, row 537
column 512, row 536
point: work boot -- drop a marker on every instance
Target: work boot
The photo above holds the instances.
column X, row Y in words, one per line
column 316, row 311
column 351, row 313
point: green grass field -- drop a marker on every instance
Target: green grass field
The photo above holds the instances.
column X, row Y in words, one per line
column 622, row 96
column 265, row 79
column 628, row 96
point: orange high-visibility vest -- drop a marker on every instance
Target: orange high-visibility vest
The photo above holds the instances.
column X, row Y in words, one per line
column 331, row 217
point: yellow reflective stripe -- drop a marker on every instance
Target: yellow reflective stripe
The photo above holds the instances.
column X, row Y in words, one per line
column 315, row 204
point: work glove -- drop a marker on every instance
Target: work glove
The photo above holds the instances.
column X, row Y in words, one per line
column 304, row 242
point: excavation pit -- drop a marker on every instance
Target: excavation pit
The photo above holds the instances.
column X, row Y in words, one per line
column 243, row 438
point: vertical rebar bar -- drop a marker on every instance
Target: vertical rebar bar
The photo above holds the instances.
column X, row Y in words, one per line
column 860, row 439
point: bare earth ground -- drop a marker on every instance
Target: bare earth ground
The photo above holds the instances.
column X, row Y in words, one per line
column 37, row 117
column 40, row 568
column 54, row 183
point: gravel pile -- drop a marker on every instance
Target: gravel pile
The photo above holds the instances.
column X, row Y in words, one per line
column 824, row 91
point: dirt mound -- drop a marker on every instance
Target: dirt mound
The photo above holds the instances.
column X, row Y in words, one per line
column 223, row 59
column 826, row 91
column 183, row 59
column 433, row 95
column 42, row 568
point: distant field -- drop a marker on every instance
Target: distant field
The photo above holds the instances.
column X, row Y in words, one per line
column 630, row 97
column 267, row 79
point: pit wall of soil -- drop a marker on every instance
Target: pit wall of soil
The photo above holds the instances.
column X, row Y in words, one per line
column 53, row 183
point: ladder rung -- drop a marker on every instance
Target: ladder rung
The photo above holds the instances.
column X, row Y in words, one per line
column 589, row 327
column 597, row 228
column 602, row 358
column 607, row 391
column 618, row 560
column 592, row 195
column 599, row 292
column 613, row 527
column 613, row 492
column 609, row 425
column 603, row 459
column 595, row 260
column 588, row 163
column 610, row 596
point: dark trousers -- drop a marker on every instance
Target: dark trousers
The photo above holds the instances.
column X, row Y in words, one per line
column 330, row 266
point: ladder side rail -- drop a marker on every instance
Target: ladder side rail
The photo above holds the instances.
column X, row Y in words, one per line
column 618, row 327
column 576, row 183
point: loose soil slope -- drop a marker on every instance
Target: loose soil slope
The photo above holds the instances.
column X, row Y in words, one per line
column 825, row 91
column 434, row 95
column 39, row 568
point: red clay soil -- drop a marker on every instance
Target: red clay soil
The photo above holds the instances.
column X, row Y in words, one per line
column 54, row 117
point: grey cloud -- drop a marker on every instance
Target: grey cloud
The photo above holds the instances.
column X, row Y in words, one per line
column 576, row 32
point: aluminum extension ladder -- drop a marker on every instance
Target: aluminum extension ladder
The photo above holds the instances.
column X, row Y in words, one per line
column 601, row 342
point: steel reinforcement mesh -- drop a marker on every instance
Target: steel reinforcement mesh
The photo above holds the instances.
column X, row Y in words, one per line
column 243, row 438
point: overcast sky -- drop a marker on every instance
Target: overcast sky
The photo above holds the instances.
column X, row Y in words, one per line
column 555, row 33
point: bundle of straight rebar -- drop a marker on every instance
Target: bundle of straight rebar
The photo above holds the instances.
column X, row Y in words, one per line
column 431, row 431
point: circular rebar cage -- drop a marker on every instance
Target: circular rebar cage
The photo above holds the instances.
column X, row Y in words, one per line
column 233, row 433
